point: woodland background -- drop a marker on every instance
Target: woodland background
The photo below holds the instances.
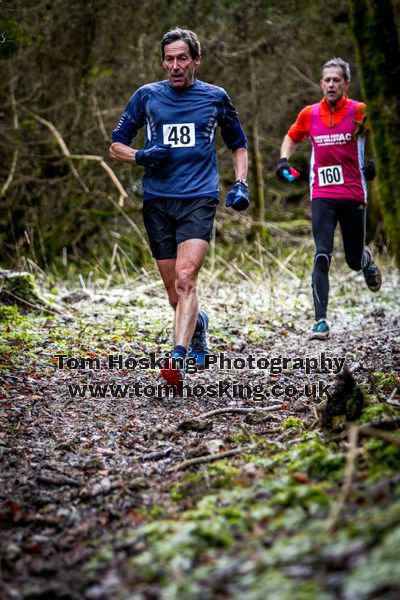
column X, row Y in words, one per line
column 153, row 498
column 68, row 69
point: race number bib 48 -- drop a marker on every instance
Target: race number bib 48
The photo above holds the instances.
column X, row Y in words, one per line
column 179, row 135
column 332, row 175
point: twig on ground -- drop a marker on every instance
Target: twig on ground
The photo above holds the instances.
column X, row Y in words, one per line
column 243, row 411
column 348, row 479
column 209, row 458
column 57, row 481
column 390, row 438
column 157, row 455
column 376, row 426
column 390, row 399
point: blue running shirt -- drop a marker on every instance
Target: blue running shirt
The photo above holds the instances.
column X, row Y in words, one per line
column 186, row 119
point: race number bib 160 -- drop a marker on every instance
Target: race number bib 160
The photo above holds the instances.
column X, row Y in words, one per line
column 179, row 135
column 332, row 175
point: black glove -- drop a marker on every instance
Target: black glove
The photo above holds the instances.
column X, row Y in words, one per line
column 152, row 157
column 369, row 169
column 285, row 172
column 238, row 196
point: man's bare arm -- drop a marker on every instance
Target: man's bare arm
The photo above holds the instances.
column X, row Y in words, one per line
column 240, row 163
column 288, row 147
column 122, row 152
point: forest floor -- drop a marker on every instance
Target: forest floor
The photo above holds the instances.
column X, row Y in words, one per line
column 139, row 496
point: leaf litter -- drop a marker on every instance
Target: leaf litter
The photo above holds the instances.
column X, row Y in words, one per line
column 200, row 497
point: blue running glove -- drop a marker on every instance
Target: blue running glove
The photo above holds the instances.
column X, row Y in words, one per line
column 238, row 197
column 152, row 157
column 285, row 172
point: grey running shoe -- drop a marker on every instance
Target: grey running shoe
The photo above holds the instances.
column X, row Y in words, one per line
column 373, row 277
column 198, row 344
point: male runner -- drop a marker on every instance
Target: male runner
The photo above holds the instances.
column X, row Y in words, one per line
column 337, row 181
column 181, row 180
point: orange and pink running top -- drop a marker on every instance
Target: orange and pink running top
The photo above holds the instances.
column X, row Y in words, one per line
column 337, row 156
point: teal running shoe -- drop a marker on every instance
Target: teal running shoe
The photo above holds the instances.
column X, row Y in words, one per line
column 198, row 344
column 320, row 331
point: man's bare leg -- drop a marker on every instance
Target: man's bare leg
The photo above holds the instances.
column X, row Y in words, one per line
column 180, row 278
column 191, row 254
column 167, row 272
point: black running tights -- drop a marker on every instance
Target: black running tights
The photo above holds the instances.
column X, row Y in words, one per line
column 326, row 213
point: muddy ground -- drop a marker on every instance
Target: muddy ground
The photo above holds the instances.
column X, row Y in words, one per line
column 146, row 497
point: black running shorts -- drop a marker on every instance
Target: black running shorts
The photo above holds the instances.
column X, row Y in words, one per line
column 170, row 221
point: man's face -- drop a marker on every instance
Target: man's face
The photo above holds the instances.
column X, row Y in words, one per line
column 179, row 64
column 333, row 84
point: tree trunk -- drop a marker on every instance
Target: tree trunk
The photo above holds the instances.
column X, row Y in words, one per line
column 256, row 158
column 374, row 28
column 255, row 146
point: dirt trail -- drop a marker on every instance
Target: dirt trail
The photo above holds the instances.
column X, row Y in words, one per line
column 81, row 476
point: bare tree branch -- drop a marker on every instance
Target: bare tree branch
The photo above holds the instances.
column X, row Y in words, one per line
column 14, row 160
column 262, row 44
column 99, row 118
column 93, row 157
column 62, row 144
column 297, row 71
column 122, row 193
column 124, row 215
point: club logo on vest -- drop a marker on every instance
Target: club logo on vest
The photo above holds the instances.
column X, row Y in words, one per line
column 332, row 139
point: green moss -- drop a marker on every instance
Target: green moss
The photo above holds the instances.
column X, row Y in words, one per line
column 215, row 476
column 102, row 556
column 237, row 438
column 233, row 515
column 227, row 530
column 20, row 287
column 375, row 409
column 315, row 458
column 10, row 314
column 382, row 458
column 373, row 412
column 290, row 422
column 375, row 30
column 156, row 511
column 386, row 382
column 222, row 472
column 286, row 492
column 188, row 484
column 214, row 533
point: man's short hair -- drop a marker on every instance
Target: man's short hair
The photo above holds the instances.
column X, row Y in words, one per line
column 184, row 35
column 338, row 62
